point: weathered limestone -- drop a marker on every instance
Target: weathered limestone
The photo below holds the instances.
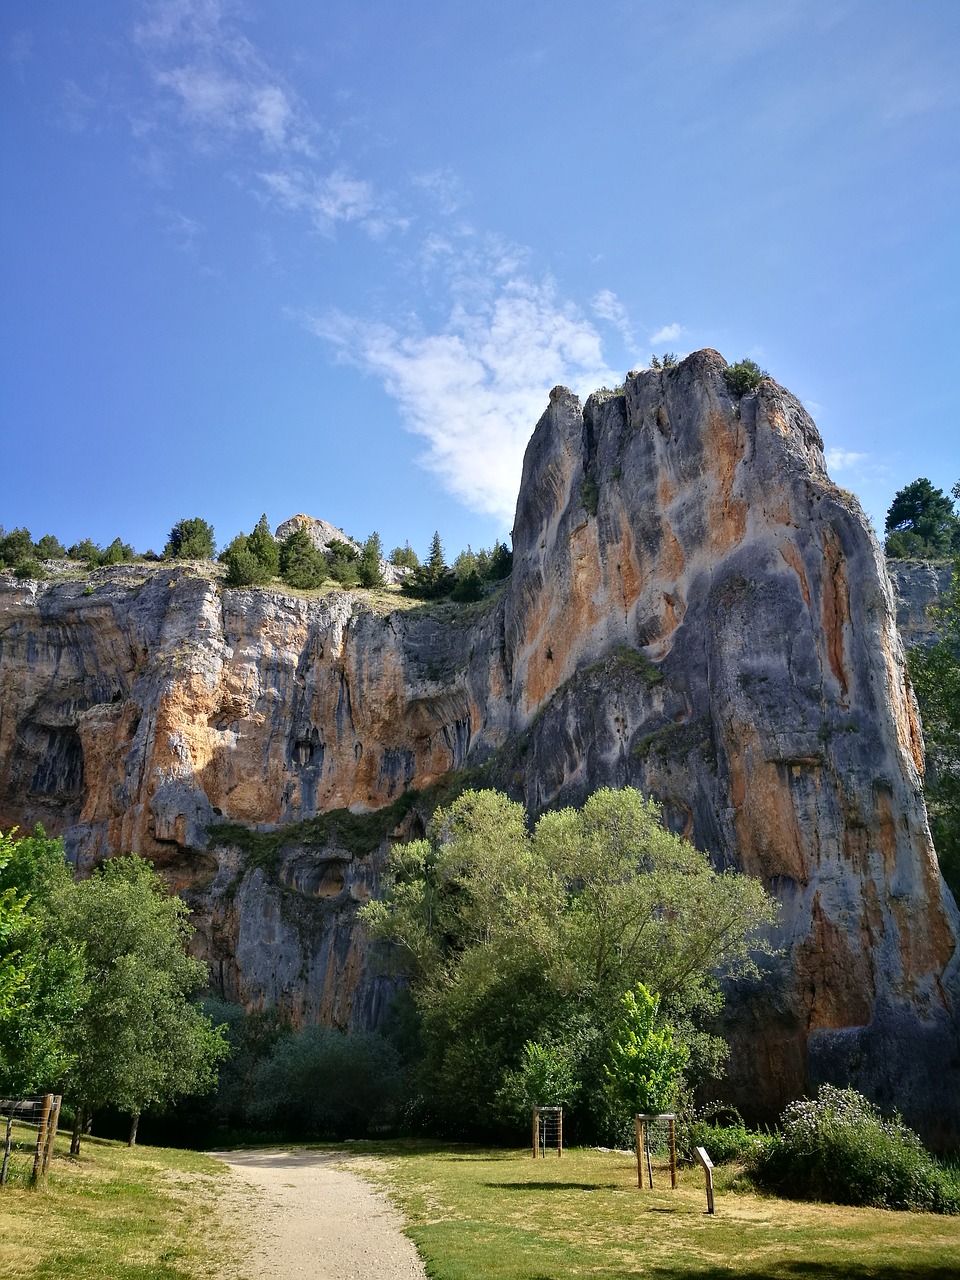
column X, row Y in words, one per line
column 695, row 609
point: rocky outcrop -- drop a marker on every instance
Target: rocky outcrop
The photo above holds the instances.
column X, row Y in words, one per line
column 695, row 609
column 322, row 533
column 918, row 587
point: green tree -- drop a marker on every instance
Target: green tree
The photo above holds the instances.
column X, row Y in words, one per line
column 371, row 556
column 500, row 563
column 117, row 553
column 344, row 562
column 667, row 361
column 433, row 578
column 87, row 551
column 16, row 546
column 645, row 1067
column 41, row 973
column 51, row 548
column 405, row 557
column 921, row 523
column 264, row 548
column 140, row 1040
column 744, row 376
column 302, row 565
column 935, row 672
column 511, row 935
column 190, row 540
column 468, row 588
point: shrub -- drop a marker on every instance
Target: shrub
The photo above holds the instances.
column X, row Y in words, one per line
column 190, row 540
column 468, row 588
column 30, row 570
column 840, row 1148
column 301, row 563
column 321, row 1082
column 243, row 567
column 743, row 376
column 264, row 548
column 720, row 1130
column 16, row 546
column 51, row 548
column 87, row 551
column 371, row 556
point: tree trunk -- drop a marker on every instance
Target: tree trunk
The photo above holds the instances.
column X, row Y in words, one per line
column 77, row 1131
column 134, row 1121
column 87, row 1121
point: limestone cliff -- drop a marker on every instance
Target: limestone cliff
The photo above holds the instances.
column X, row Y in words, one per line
column 695, row 609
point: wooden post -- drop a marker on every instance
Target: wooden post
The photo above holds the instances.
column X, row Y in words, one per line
column 6, row 1149
column 51, row 1133
column 707, row 1164
column 673, row 1153
column 560, row 1133
column 41, row 1136
column 636, row 1125
column 536, row 1132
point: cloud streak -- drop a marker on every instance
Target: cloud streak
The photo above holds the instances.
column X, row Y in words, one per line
column 475, row 390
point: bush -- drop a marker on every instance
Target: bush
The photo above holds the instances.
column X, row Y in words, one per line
column 322, row 1083
column 30, row 570
column 302, row 565
column 468, row 588
column 839, row 1148
column 87, row 551
column 720, row 1130
column 190, row 540
column 744, row 376
column 16, row 546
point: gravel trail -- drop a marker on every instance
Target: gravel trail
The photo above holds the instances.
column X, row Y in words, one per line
column 313, row 1218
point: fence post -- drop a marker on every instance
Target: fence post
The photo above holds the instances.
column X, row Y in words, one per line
column 6, row 1149
column 51, row 1133
column 560, row 1134
column 673, row 1153
column 536, row 1132
column 41, row 1136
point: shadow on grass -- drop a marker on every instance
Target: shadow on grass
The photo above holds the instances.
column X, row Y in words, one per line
column 554, row 1186
column 844, row 1270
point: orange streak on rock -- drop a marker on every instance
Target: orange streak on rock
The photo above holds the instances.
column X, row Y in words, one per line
column 792, row 556
column 836, row 608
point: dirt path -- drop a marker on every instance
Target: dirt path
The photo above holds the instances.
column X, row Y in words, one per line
column 314, row 1218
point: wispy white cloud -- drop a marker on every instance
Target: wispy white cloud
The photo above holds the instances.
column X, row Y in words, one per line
column 669, row 333
column 181, row 230
column 19, row 49
column 445, row 188
column 75, row 108
column 845, row 459
column 475, row 390
column 607, row 306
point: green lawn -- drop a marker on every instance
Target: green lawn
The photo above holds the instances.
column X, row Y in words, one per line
column 116, row 1214
column 502, row 1216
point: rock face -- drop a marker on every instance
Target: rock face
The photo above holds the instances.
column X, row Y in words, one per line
column 918, row 587
column 695, row 609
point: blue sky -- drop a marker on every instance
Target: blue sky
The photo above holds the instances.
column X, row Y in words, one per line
column 330, row 258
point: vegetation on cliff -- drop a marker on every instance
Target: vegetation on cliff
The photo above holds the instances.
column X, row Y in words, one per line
column 921, row 523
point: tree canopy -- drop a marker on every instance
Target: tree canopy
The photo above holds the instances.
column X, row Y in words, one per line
column 512, row 935
column 935, row 672
column 140, row 1039
column 190, row 540
column 42, row 975
column 921, row 523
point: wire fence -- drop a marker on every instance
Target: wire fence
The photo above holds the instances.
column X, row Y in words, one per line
column 28, row 1127
column 547, row 1130
column 656, row 1143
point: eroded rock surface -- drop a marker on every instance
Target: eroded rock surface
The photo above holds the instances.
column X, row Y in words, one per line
column 695, row 609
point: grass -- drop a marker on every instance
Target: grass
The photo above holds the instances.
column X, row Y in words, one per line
column 115, row 1213
column 497, row 1215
